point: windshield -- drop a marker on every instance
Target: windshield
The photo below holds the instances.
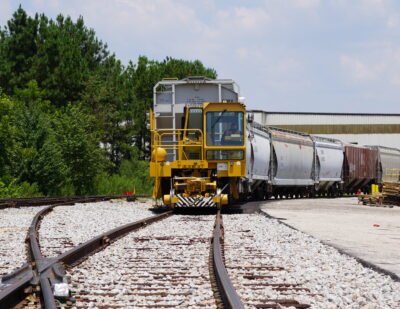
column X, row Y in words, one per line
column 225, row 128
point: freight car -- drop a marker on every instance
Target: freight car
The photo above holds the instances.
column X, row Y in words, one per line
column 207, row 152
column 388, row 164
column 293, row 164
column 359, row 168
column 328, row 165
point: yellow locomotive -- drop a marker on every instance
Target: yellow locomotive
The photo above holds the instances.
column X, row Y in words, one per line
column 198, row 146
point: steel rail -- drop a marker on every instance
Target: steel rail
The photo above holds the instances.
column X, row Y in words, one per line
column 228, row 294
column 55, row 268
column 76, row 254
column 43, row 201
column 17, row 283
column 23, row 278
column 51, row 270
column 36, row 256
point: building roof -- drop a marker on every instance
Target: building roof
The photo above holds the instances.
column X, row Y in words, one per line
column 311, row 113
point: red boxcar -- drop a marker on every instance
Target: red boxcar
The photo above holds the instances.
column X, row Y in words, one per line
column 359, row 168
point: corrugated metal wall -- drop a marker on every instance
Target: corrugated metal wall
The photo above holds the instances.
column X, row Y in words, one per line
column 323, row 119
column 360, row 166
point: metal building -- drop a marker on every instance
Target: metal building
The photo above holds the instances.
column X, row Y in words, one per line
column 362, row 129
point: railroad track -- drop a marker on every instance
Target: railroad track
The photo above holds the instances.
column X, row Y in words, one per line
column 161, row 266
column 253, row 277
column 43, row 201
column 174, row 263
column 262, row 279
column 37, row 281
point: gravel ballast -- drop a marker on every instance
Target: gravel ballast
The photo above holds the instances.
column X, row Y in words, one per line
column 324, row 278
column 68, row 226
column 14, row 224
column 164, row 265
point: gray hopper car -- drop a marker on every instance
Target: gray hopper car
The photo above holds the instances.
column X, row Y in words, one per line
column 291, row 164
column 328, row 164
column 287, row 163
column 388, row 164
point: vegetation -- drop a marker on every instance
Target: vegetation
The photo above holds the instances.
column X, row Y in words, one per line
column 72, row 117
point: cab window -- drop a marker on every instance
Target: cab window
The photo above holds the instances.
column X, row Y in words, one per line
column 225, row 128
column 195, row 121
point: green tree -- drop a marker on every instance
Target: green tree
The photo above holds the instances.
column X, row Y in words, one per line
column 66, row 56
column 50, row 170
column 79, row 148
column 33, row 123
column 17, row 49
column 109, row 95
column 60, row 55
column 7, row 134
column 70, row 112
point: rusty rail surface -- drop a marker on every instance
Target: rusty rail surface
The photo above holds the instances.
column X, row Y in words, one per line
column 47, row 272
column 228, row 294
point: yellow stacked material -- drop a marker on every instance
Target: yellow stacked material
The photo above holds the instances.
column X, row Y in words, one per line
column 391, row 175
column 371, row 199
column 391, row 193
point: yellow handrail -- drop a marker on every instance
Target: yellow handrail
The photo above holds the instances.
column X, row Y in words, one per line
column 392, row 174
column 177, row 139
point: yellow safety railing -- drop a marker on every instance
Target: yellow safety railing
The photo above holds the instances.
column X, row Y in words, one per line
column 177, row 141
column 391, row 175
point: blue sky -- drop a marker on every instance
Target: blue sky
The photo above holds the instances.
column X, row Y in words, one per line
column 286, row 55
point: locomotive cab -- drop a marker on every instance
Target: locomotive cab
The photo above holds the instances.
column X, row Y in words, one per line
column 197, row 142
column 206, row 156
column 225, row 141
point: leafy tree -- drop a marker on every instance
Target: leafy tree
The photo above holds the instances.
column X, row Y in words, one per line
column 60, row 55
column 109, row 95
column 67, row 54
column 17, row 49
column 70, row 112
column 79, row 148
column 51, row 172
column 7, row 134
column 33, row 123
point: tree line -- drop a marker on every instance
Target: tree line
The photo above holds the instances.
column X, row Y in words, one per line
column 72, row 116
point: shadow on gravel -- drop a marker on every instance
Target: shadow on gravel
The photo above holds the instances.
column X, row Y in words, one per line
column 235, row 209
column 247, row 207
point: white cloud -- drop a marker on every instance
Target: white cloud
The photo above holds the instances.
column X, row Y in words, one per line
column 392, row 21
column 358, row 70
column 306, row 3
column 379, row 63
column 5, row 12
column 242, row 19
column 275, row 49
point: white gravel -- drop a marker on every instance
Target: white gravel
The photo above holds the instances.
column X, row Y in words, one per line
column 164, row 264
column 14, row 224
column 68, row 226
column 333, row 280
